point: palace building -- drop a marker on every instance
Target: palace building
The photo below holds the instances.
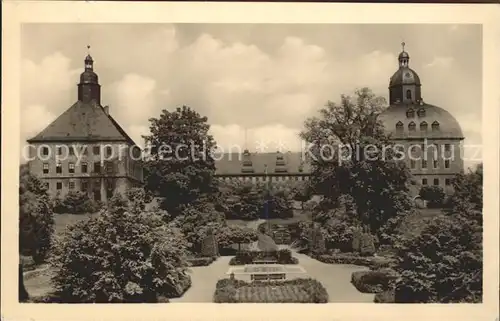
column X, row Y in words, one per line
column 85, row 149
column 430, row 136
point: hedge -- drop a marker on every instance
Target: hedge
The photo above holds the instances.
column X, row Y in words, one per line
column 201, row 261
column 283, row 256
column 373, row 262
column 385, row 297
column 373, row 281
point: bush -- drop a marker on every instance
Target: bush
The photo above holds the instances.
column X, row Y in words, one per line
column 374, row 262
column 120, row 256
column 385, row 297
column 36, row 219
column 75, row 202
column 373, row 281
column 27, row 262
column 357, row 235
column 201, row 261
column 248, row 257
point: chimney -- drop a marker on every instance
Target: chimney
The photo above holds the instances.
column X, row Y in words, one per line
column 106, row 109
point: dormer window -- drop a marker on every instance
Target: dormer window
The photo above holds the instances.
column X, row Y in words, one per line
column 412, row 126
column 421, row 112
column 435, row 126
column 399, row 127
column 423, row 126
column 410, row 113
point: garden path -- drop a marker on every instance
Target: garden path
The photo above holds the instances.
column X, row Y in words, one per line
column 204, row 279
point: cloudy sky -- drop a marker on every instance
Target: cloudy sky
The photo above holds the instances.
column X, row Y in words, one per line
column 262, row 79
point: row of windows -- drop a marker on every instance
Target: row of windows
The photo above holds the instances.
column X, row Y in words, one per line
column 432, row 146
column 435, row 182
column 84, row 168
column 413, row 127
column 410, row 113
column 267, row 178
column 96, row 150
column 435, row 164
column 84, row 185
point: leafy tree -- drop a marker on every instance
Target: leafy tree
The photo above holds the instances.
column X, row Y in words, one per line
column 236, row 235
column 75, row 202
column 180, row 167
column 120, row 256
column 351, row 154
column 469, row 188
column 302, row 193
column 443, row 264
column 36, row 221
column 434, row 195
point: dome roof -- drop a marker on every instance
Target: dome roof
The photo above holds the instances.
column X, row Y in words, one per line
column 404, row 76
column 439, row 122
column 404, row 54
column 88, row 76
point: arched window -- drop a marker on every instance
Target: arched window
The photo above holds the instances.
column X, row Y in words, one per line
column 435, row 126
column 423, row 126
column 410, row 113
column 412, row 126
column 399, row 127
column 408, row 94
column 421, row 112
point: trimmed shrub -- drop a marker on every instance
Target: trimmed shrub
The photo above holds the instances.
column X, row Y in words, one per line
column 209, row 247
column 374, row 262
column 120, row 256
column 373, row 281
column 201, row 261
column 357, row 235
column 289, row 291
column 75, row 202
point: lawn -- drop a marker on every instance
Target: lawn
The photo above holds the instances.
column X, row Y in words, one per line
column 61, row 221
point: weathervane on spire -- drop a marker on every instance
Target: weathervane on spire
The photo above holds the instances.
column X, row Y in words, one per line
column 88, row 49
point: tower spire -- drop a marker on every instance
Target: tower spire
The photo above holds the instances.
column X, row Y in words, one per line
column 89, row 88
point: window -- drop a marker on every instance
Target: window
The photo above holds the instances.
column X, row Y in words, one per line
column 424, row 163
column 45, row 168
column 84, row 185
column 421, row 112
column 71, row 185
column 71, row 168
column 45, row 151
column 424, row 181
column 96, row 150
column 412, row 126
column 423, row 126
column 59, row 150
column 447, row 163
column 59, row 185
column 435, row 126
column 109, row 151
column 399, row 127
column 413, row 164
column 58, row 168
column 435, row 163
column 109, row 168
column 408, row 94
column 71, row 150
column 410, row 113
column 447, row 147
column 97, row 167
column 84, row 167
column 436, row 181
column 447, row 182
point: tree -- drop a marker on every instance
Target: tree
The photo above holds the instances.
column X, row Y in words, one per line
column 36, row 221
column 180, row 167
column 434, row 195
column 351, row 154
column 120, row 256
column 302, row 193
column 468, row 188
column 236, row 235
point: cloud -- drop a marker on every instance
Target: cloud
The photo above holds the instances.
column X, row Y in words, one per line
column 440, row 62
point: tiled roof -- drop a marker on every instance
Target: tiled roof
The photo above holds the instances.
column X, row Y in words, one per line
column 83, row 122
column 232, row 163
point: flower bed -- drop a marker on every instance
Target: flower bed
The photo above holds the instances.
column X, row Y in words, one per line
column 251, row 257
column 292, row 291
column 373, row 281
column 201, row 261
column 374, row 262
